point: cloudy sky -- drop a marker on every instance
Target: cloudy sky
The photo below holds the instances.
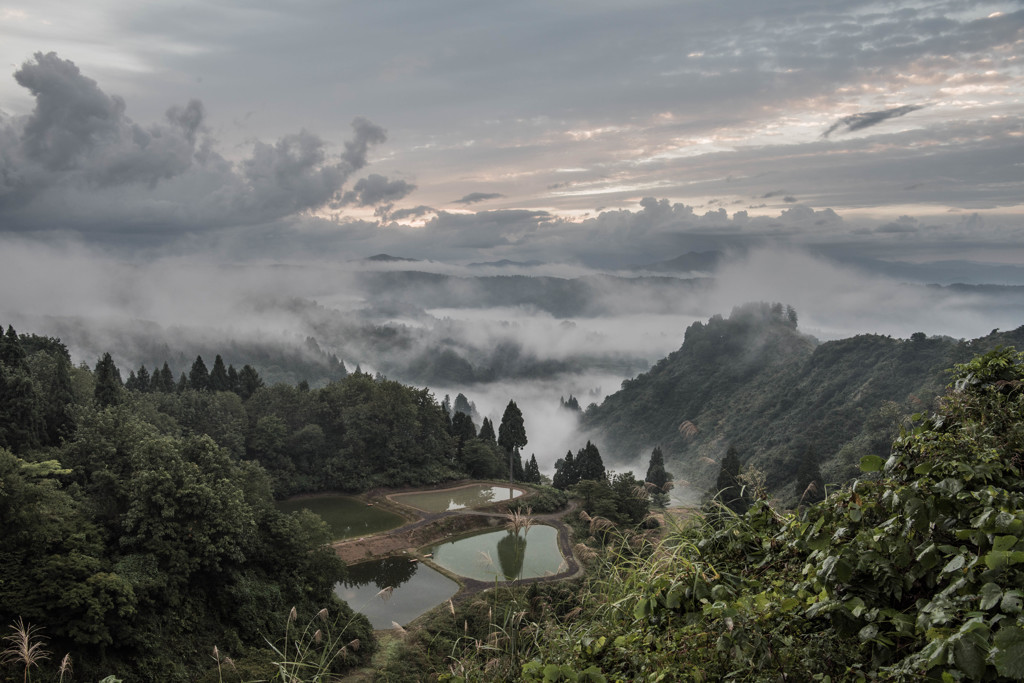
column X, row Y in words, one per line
column 589, row 131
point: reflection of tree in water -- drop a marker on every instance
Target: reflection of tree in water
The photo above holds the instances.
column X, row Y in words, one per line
column 511, row 552
column 391, row 571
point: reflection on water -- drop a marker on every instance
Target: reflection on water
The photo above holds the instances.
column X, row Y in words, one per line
column 502, row 555
column 347, row 517
column 511, row 551
column 417, row 588
column 444, row 500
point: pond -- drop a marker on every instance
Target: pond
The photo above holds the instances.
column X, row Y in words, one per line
column 346, row 516
column 471, row 496
column 501, row 555
column 416, row 589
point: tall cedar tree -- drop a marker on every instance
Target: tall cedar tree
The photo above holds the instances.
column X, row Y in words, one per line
column 589, row 464
column 487, row 432
column 108, row 382
column 566, row 474
column 511, row 431
column 248, row 382
column 728, row 488
column 809, row 485
column 219, row 375
column 531, row 475
column 199, row 376
column 656, row 473
column 659, row 477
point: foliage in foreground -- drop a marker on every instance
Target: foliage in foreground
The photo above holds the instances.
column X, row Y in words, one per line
column 914, row 572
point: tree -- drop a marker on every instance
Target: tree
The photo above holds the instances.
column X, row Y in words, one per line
column 658, row 477
column 487, row 432
column 248, row 381
column 809, row 485
column 512, row 431
column 462, row 405
column 572, row 403
column 163, row 380
column 531, row 473
column 108, row 382
column 728, row 488
column 199, row 376
column 565, row 472
column 232, row 379
column 143, row 378
column 219, row 375
column 589, row 464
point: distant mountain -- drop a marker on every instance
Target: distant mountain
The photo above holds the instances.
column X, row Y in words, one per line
column 753, row 381
column 694, row 261
column 589, row 296
column 505, row 263
column 387, row 258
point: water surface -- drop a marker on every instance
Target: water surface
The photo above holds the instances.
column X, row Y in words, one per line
column 471, row 496
column 416, row 589
column 346, row 516
column 500, row 555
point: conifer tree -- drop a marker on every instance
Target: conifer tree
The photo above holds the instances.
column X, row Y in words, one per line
column 143, row 378
column 218, row 375
column 108, row 382
column 199, row 376
column 809, row 485
column 565, row 472
column 487, row 432
column 659, row 477
column 656, row 473
column 232, row 379
column 248, row 381
column 589, row 464
column 166, row 381
column 532, row 471
column 728, row 488
column 512, row 431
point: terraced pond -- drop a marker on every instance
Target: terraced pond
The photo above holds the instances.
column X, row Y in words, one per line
column 500, row 555
column 346, row 516
column 457, row 498
column 415, row 589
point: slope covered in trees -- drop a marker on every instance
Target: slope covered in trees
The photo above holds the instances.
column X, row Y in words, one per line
column 754, row 382
column 137, row 522
column 913, row 572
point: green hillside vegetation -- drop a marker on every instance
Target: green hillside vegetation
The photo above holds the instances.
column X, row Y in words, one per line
column 913, row 572
column 138, row 521
column 754, row 382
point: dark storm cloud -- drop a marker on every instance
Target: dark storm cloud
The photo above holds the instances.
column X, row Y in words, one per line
column 474, row 197
column 871, row 118
column 77, row 161
column 375, row 189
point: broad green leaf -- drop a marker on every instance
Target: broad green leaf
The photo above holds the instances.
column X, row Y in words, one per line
column 871, row 463
column 955, row 564
column 969, row 658
column 991, row 594
column 1009, row 652
column 868, row 632
column 1004, row 543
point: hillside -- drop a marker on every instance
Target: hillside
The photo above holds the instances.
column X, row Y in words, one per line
column 753, row 381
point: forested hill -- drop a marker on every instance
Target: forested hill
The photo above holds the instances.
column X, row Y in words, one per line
column 784, row 401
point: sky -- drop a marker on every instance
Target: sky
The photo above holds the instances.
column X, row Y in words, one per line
column 574, row 131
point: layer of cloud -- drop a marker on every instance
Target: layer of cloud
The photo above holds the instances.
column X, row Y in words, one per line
column 867, row 119
column 78, row 162
column 476, row 197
